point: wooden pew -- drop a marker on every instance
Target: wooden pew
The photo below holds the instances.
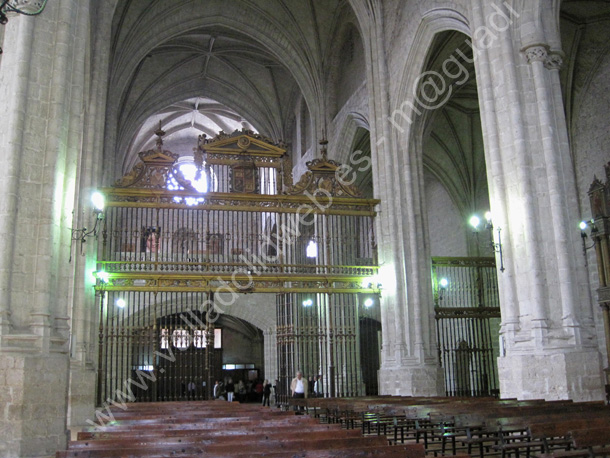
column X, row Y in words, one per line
column 201, row 429
column 485, row 424
column 596, row 440
column 232, row 446
column 216, row 428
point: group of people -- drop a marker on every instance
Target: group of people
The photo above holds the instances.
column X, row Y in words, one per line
column 252, row 391
column 261, row 390
column 302, row 388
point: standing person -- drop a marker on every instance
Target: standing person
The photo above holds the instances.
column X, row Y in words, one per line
column 298, row 386
column 230, row 387
column 266, row 392
column 258, row 389
column 241, row 391
column 310, row 384
column 317, row 387
column 191, row 387
column 276, row 393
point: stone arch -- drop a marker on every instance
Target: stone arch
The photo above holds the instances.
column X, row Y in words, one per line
column 348, row 57
column 351, row 147
column 433, row 22
column 344, row 139
column 253, row 308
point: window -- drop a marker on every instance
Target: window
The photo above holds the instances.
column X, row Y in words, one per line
column 232, row 367
column 164, row 339
column 182, row 338
column 185, row 165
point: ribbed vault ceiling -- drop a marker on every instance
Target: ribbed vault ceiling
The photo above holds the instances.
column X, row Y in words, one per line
column 453, row 140
column 182, row 123
column 249, row 61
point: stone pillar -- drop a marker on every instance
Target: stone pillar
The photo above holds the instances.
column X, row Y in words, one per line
column 85, row 306
column 548, row 345
column 409, row 364
column 599, row 194
column 42, row 79
column 270, row 358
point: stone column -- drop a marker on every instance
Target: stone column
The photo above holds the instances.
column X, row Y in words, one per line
column 84, row 304
column 42, row 77
column 270, row 357
column 409, row 364
column 546, row 352
column 14, row 81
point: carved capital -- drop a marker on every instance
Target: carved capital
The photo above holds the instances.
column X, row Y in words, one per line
column 536, row 53
column 554, row 60
column 26, row 6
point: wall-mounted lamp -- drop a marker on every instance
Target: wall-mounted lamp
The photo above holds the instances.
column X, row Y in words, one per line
column 475, row 222
column 584, row 225
column 120, row 303
column 307, row 302
column 369, row 302
column 442, row 287
column 28, row 8
column 98, row 201
column 102, row 276
column 312, row 249
column 372, row 283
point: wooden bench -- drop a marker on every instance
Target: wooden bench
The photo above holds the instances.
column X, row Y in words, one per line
column 231, row 446
column 595, row 439
column 203, row 430
column 579, row 438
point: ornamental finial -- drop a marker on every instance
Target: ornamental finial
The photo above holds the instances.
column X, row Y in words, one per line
column 160, row 133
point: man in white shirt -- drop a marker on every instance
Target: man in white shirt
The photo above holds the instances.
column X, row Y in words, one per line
column 298, row 386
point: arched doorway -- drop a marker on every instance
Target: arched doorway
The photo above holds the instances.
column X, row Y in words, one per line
column 464, row 276
column 370, row 350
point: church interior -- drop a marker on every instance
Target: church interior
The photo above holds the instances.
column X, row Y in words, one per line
column 407, row 201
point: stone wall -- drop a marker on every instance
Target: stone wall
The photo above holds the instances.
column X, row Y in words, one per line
column 590, row 140
column 447, row 227
column 34, row 403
